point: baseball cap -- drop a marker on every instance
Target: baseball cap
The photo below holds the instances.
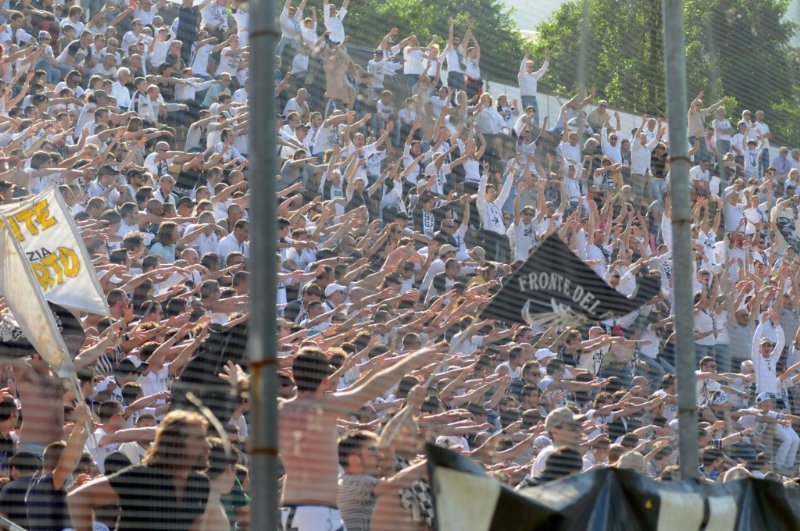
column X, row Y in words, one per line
column 422, row 183
column 543, row 353
column 126, row 366
column 559, row 417
column 446, row 248
column 479, row 253
column 43, row 35
column 333, row 288
column 766, row 340
column 763, row 397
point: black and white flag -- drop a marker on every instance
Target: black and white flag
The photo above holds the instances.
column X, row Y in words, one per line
column 556, row 287
column 14, row 344
column 787, row 218
column 466, row 498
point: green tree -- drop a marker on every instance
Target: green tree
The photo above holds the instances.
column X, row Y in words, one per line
column 368, row 21
column 733, row 47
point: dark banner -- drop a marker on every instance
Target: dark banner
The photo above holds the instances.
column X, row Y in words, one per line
column 606, row 499
column 200, row 376
column 13, row 343
column 556, row 287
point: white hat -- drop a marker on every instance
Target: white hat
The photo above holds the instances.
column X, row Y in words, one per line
column 543, row 353
column 446, row 248
column 330, row 289
column 763, row 397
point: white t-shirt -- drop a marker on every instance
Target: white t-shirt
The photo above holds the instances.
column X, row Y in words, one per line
column 413, row 61
column 155, row 381
column 454, row 57
column 200, row 62
column 99, row 453
column 762, row 130
column 228, row 61
column 721, row 124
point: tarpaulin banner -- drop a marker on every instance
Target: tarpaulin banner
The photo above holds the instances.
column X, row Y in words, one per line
column 51, row 244
column 554, row 286
column 467, row 499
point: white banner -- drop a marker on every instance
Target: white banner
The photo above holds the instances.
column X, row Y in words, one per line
column 27, row 303
column 45, row 233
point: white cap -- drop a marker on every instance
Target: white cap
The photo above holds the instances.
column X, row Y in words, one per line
column 763, row 397
column 543, row 353
column 330, row 289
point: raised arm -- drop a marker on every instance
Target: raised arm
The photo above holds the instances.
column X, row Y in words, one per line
column 379, row 383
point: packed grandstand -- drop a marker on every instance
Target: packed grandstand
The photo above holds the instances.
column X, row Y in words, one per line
column 408, row 196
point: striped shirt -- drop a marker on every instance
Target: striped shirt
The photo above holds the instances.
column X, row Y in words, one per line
column 356, row 500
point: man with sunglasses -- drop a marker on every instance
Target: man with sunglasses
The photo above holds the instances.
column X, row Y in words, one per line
column 767, row 346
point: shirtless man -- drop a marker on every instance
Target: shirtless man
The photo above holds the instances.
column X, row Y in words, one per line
column 41, row 393
column 308, row 434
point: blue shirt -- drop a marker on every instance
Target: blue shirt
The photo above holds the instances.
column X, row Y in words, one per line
column 781, row 165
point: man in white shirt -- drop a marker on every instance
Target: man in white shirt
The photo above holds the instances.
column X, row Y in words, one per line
column 641, row 151
column 762, row 129
column 334, row 20
column 612, row 147
column 413, row 66
column 768, row 343
column 569, row 147
column 298, row 104
column 723, row 131
column 528, row 80
column 291, row 28
column 236, row 241
column 119, row 89
column 786, row 454
column 490, row 204
column 379, row 68
column 207, row 242
column 700, row 176
column 14, row 34
column 454, row 55
column 215, row 16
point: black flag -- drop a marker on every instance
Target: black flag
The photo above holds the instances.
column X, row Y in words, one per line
column 14, row 344
column 466, row 497
column 556, row 287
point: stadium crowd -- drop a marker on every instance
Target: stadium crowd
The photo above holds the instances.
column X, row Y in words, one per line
column 407, row 194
